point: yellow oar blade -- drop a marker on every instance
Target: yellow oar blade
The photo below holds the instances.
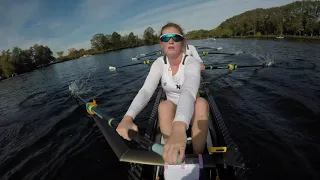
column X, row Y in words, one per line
column 217, row 149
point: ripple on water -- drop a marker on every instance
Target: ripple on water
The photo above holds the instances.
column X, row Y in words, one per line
column 272, row 113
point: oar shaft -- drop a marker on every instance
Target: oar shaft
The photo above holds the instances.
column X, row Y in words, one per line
column 80, row 98
column 216, row 67
column 147, row 55
column 153, row 53
column 219, row 53
column 129, row 65
column 259, row 65
column 233, row 66
column 201, row 47
column 144, row 62
column 134, row 135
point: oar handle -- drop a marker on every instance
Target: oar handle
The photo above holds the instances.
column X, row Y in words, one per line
column 155, row 147
column 158, row 148
column 131, row 133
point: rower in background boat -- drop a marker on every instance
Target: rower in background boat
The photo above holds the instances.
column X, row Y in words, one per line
column 180, row 78
column 190, row 50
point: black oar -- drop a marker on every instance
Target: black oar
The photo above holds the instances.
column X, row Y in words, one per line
column 92, row 108
column 235, row 66
column 206, row 53
column 202, row 47
column 113, row 68
column 103, row 120
column 146, row 55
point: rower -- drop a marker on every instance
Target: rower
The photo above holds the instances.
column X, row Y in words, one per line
column 190, row 50
column 180, row 78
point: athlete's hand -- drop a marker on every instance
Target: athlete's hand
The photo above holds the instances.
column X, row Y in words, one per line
column 124, row 126
column 175, row 144
column 203, row 67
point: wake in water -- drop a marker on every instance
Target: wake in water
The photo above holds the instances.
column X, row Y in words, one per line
column 34, row 99
column 270, row 59
column 262, row 56
column 80, row 87
column 77, row 87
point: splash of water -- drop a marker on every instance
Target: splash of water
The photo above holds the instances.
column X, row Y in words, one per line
column 213, row 44
column 77, row 87
column 261, row 55
column 238, row 52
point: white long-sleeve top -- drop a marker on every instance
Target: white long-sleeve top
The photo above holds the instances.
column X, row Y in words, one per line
column 181, row 88
column 192, row 51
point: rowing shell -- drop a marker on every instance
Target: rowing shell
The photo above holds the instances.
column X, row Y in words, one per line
column 217, row 136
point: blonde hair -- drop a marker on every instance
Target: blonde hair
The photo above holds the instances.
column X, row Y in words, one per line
column 178, row 27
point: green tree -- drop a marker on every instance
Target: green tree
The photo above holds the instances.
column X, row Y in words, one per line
column 60, row 54
column 73, row 53
column 6, row 63
column 132, row 40
column 16, row 60
column 42, row 55
column 82, row 52
column 298, row 18
column 26, row 59
column 116, row 40
column 107, row 43
column 148, row 36
column 98, row 42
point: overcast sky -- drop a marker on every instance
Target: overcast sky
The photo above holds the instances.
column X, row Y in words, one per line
column 62, row 24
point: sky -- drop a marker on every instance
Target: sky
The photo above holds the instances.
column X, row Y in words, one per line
column 64, row 24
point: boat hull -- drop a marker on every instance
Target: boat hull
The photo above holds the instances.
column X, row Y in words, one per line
column 215, row 138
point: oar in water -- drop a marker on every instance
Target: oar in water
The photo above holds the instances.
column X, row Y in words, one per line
column 146, row 55
column 232, row 67
column 206, row 53
column 202, row 47
column 113, row 68
column 208, row 67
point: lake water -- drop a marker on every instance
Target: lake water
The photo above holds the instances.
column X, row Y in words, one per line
column 272, row 113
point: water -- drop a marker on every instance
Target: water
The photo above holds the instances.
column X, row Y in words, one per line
column 272, row 113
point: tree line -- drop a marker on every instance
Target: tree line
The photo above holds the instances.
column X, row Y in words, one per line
column 298, row 18
column 19, row 61
column 102, row 43
column 301, row 18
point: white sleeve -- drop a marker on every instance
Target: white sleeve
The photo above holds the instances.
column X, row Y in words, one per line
column 147, row 90
column 190, row 87
column 195, row 53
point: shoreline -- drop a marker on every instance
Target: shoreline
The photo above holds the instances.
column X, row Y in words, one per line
column 81, row 57
column 269, row 37
column 275, row 37
column 96, row 54
column 261, row 37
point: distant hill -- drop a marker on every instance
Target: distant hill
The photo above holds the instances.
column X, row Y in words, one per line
column 298, row 18
column 301, row 18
